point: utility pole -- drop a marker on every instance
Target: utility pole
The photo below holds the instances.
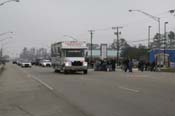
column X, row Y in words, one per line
column 165, row 23
column 149, row 31
column 91, row 36
column 118, row 46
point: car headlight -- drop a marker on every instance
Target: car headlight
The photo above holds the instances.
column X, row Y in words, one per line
column 85, row 64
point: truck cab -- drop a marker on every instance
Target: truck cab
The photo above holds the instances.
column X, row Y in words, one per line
column 69, row 56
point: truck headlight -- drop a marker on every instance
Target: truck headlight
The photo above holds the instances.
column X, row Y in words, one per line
column 85, row 64
column 67, row 63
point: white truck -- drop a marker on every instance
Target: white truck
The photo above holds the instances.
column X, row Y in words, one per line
column 69, row 56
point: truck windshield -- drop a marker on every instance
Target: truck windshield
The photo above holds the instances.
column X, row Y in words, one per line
column 74, row 53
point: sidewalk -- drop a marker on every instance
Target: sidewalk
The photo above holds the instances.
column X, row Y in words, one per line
column 118, row 69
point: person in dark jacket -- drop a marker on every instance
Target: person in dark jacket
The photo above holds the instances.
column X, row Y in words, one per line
column 130, row 65
column 141, row 66
column 126, row 65
column 153, row 65
column 113, row 65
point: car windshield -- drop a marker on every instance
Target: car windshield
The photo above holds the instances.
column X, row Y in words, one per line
column 74, row 53
column 25, row 61
column 46, row 60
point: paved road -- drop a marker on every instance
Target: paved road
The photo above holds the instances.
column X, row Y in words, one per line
column 41, row 92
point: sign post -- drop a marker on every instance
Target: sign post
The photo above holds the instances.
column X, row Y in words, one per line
column 103, row 51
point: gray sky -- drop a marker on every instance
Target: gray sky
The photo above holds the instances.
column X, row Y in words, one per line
column 38, row 23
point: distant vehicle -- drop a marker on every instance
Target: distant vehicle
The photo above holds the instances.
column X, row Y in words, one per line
column 26, row 63
column 46, row 63
column 18, row 62
column 69, row 56
column 14, row 62
column 38, row 61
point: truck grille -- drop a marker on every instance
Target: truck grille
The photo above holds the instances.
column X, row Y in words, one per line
column 26, row 65
column 77, row 63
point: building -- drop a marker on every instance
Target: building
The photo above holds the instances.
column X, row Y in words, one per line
column 161, row 55
column 96, row 53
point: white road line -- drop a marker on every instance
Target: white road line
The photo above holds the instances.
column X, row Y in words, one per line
column 43, row 83
column 128, row 89
column 40, row 81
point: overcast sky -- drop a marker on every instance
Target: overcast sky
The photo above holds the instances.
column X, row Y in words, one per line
column 38, row 23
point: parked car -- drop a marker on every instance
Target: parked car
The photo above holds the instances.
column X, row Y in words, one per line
column 26, row 63
column 46, row 63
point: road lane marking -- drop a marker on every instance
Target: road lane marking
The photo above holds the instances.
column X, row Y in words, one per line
column 38, row 80
column 128, row 89
column 43, row 83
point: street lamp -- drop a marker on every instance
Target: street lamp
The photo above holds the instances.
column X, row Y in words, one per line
column 172, row 11
column 1, row 4
column 9, row 32
column 165, row 23
column 157, row 19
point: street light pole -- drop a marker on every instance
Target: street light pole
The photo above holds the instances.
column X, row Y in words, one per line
column 1, row 34
column 118, row 46
column 157, row 19
column 154, row 18
column 165, row 23
column 1, row 4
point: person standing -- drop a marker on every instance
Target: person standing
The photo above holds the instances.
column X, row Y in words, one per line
column 130, row 65
column 141, row 66
column 126, row 65
column 113, row 65
column 153, row 66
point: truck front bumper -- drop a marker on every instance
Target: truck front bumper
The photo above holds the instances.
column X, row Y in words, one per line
column 76, row 68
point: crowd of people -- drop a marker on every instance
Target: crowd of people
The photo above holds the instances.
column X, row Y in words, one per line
column 146, row 66
column 126, row 65
column 105, row 65
column 142, row 65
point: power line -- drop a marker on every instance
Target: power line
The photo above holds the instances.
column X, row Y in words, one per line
column 138, row 41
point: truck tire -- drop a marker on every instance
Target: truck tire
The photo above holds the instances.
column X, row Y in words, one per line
column 85, row 71
column 65, row 72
